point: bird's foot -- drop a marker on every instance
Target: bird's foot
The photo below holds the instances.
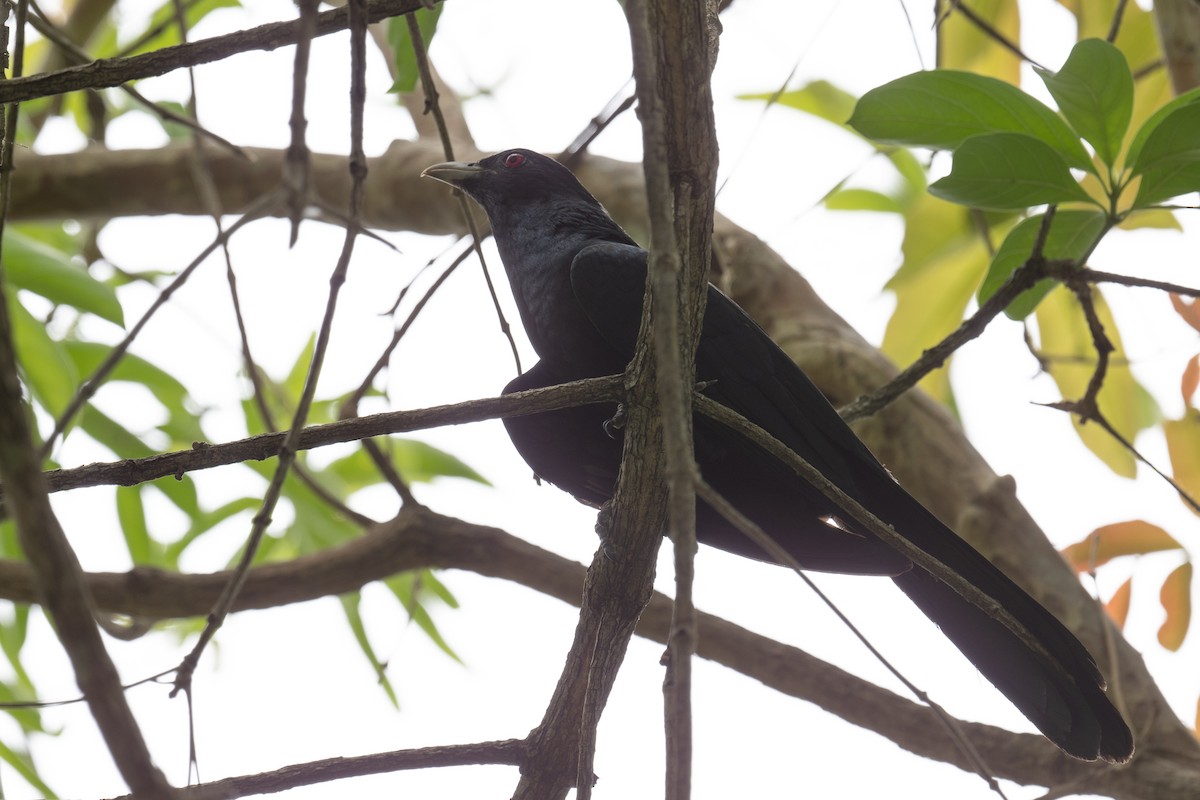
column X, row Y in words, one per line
column 616, row 422
column 604, row 521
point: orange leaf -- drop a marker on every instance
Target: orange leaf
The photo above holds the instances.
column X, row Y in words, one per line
column 1189, row 311
column 1117, row 606
column 1191, row 379
column 1176, row 597
column 1133, row 538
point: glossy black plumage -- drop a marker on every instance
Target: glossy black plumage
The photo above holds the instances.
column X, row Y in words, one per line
column 578, row 280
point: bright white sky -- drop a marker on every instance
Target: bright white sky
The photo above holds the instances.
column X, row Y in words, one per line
column 290, row 685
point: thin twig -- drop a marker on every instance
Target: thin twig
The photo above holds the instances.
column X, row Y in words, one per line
column 1118, row 16
column 130, row 472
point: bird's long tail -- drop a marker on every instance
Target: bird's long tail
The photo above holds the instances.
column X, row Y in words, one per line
column 1059, row 688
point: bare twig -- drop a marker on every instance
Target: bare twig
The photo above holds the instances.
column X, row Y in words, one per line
column 257, row 448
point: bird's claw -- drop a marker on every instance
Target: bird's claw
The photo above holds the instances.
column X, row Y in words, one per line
column 616, row 422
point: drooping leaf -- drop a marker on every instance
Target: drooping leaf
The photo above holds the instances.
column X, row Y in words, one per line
column 22, row 762
column 1072, row 234
column 400, row 40
column 350, row 605
column 204, row 522
column 1008, row 171
column 1183, row 447
column 131, row 513
column 183, row 418
column 942, row 109
column 44, row 363
column 1135, row 537
column 35, row 266
column 1176, row 599
column 1094, row 91
column 409, row 588
column 1066, row 343
column 1117, row 606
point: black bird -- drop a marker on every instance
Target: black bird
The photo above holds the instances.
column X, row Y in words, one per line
column 578, row 280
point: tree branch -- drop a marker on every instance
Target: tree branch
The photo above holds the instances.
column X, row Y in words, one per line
column 110, row 72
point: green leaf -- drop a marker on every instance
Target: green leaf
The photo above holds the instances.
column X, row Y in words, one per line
column 350, row 605
column 416, row 461
column 22, row 762
column 183, row 421
column 943, row 108
column 204, row 522
column 819, row 98
column 402, row 48
column 1008, row 171
column 1154, row 120
column 1174, row 140
column 33, row 265
column 131, row 514
column 45, row 365
column 862, row 200
column 1072, row 234
column 1094, row 91
column 1167, row 182
column 409, row 588
column 161, row 30
column 124, row 444
column 1169, row 159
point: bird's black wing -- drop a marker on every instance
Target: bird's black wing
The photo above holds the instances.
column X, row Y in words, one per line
column 748, row 373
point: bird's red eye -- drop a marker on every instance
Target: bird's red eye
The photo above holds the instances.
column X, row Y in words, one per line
column 514, row 160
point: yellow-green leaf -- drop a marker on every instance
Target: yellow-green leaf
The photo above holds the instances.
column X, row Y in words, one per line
column 962, row 44
column 944, row 260
column 1183, row 445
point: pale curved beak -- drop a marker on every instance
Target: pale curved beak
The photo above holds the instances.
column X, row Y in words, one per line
column 453, row 173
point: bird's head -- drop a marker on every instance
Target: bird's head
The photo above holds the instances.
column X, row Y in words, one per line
column 511, row 179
